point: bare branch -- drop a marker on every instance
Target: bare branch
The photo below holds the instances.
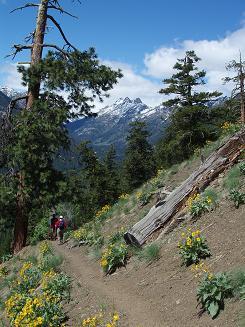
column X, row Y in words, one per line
column 65, row 53
column 14, row 101
column 61, row 10
column 25, row 6
column 24, row 63
column 18, row 48
column 30, row 37
column 61, row 32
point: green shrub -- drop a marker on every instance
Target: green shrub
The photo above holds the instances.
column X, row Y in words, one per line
column 143, row 197
column 95, row 253
column 242, row 167
column 238, row 283
column 33, row 259
column 237, row 197
column 113, row 257
column 150, row 253
column 56, row 285
column 89, row 234
column 6, row 257
column 3, row 271
column 71, row 212
column 193, row 247
column 41, row 231
column 211, row 193
column 51, row 262
column 199, row 203
column 229, row 128
column 6, row 238
column 212, row 291
column 38, row 294
column 116, row 237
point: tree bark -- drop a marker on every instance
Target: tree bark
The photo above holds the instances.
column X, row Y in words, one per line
column 36, row 52
column 158, row 216
column 21, row 222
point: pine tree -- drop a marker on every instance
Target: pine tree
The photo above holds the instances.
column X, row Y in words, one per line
column 190, row 121
column 184, row 82
column 139, row 163
column 111, row 175
column 94, row 172
column 39, row 131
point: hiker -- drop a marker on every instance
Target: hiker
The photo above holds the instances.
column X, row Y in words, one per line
column 52, row 224
column 60, row 226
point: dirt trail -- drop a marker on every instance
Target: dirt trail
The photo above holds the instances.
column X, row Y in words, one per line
column 93, row 285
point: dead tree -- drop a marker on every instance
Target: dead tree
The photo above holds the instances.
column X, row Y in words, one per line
column 238, row 79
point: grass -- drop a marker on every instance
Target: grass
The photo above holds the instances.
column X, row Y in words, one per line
column 126, row 210
column 52, row 262
column 212, row 194
column 32, row 259
column 233, row 178
column 95, row 253
column 150, row 253
column 174, row 169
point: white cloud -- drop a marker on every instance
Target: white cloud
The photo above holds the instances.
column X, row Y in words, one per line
column 133, row 85
column 10, row 77
column 215, row 54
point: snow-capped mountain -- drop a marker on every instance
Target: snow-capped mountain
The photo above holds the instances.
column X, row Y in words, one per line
column 13, row 94
column 4, row 101
column 112, row 124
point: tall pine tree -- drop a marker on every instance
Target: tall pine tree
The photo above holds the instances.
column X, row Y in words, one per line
column 38, row 130
column 190, row 122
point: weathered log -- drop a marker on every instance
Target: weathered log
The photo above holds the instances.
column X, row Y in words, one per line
column 158, row 216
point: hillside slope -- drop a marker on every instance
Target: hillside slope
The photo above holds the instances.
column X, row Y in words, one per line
column 161, row 293
column 157, row 291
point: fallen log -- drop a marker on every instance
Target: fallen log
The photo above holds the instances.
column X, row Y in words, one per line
column 159, row 215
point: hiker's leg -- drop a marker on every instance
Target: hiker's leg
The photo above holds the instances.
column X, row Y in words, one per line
column 58, row 234
column 61, row 236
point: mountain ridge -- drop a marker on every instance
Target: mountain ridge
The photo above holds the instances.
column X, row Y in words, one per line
column 111, row 125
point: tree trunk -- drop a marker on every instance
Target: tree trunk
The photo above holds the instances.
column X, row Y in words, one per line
column 36, row 53
column 222, row 158
column 242, row 96
column 21, row 222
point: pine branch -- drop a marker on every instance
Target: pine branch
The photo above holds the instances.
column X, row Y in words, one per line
column 19, row 47
column 65, row 53
column 61, row 10
column 28, row 5
column 61, row 31
column 13, row 103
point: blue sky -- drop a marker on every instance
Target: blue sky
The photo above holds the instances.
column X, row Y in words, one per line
column 143, row 37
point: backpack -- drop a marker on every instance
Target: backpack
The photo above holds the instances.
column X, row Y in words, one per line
column 61, row 225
